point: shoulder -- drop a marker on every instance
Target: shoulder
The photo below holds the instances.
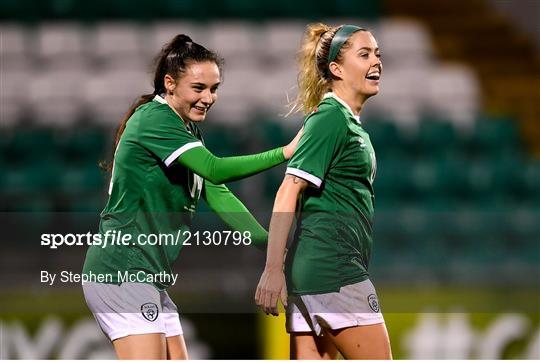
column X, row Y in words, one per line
column 158, row 116
column 328, row 117
column 154, row 109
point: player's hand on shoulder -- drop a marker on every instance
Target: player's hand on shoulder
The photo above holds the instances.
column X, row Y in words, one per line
column 288, row 150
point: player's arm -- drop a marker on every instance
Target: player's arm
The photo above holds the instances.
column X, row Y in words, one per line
column 231, row 210
column 224, row 169
column 272, row 283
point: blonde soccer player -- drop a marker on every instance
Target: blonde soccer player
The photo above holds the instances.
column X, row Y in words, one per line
column 331, row 303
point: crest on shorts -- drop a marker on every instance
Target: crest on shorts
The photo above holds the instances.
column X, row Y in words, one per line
column 150, row 311
column 373, row 302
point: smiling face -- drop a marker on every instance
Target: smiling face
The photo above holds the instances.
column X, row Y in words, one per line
column 360, row 68
column 195, row 91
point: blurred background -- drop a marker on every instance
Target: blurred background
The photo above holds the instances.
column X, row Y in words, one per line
column 456, row 129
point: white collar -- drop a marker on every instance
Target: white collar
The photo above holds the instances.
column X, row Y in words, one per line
column 343, row 103
column 160, row 99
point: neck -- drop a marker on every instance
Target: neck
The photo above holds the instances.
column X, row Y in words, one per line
column 354, row 100
column 170, row 102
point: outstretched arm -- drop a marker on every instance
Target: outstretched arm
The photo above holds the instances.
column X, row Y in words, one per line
column 231, row 210
column 224, row 169
column 219, row 170
column 272, row 283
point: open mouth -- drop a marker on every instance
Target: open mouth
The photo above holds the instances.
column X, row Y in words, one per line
column 374, row 76
column 200, row 109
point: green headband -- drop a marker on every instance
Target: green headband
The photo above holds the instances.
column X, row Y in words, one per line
column 339, row 39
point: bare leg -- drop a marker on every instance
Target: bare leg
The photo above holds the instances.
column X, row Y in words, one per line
column 176, row 348
column 362, row 342
column 141, row 346
column 309, row 346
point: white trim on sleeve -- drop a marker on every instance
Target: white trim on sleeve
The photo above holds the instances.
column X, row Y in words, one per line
column 178, row 152
column 306, row 176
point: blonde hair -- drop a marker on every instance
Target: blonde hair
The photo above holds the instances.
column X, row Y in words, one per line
column 311, row 83
column 314, row 77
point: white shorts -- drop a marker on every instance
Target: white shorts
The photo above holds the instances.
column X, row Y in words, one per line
column 132, row 308
column 353, row 305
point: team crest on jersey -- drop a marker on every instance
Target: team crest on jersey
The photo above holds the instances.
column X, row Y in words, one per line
column 373, row 302
column 150, row 311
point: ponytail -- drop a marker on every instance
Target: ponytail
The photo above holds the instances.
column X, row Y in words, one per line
column 312, row 83
column 145, row 98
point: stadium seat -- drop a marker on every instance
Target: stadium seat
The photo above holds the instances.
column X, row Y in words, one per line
column 480, row 178
column 110, row 93
column 234, row 41
column 495, row 136
column 237, row 96
column 31, row 178
column 14, row 96
column 465, row 237
column 398, row 99
column 62, row 45
column 435, row 138
column 452, row 176
column 117, row 43
column 424, row 179
column 508, row 180
column 523, row 233
column 403, row 42
column 531, row 181
column 16, row 46
column 61, row 107
column 82, row 178
column 27, row 145
column 453, row 92
column 276, row 89
column 279, row 41
column 385, row 137
column 394, row 181
column 219, row 139
column 84, row 145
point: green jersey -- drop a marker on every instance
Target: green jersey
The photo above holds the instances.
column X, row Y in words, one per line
column 332, row 243
column 149, row 194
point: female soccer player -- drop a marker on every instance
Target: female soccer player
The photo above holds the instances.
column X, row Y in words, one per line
column 332, row 305
column 160, row 170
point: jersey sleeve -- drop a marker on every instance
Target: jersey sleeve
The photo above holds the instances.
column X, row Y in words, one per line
column 323, row 133
column 233, row 212
column 224, row 169
column 165, row 135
